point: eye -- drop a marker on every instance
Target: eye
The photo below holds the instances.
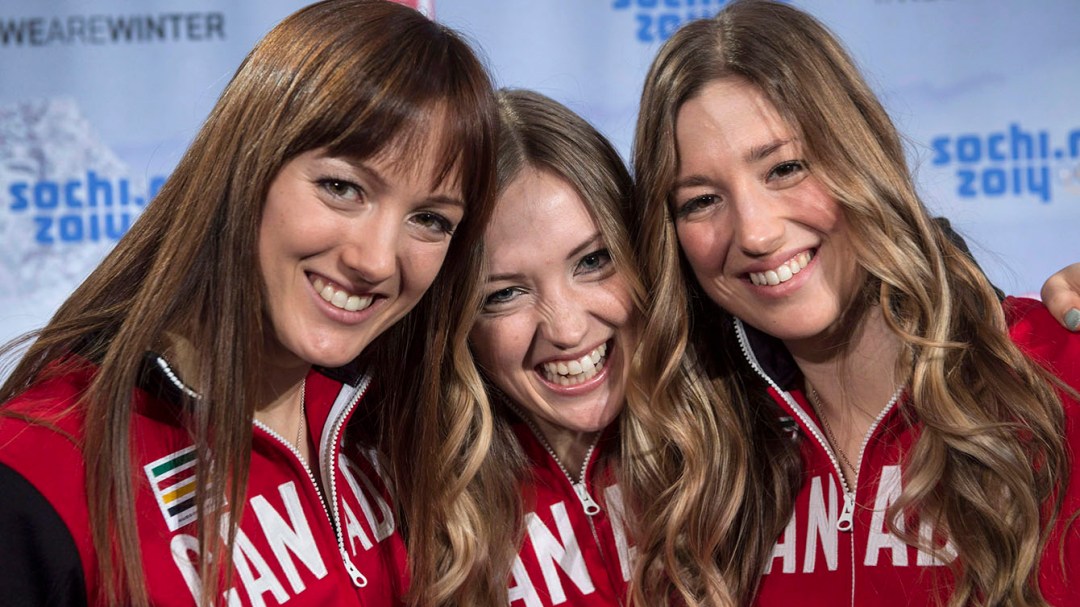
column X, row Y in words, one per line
column 434, row 222
column 502, row 296
column 696, row 204
column 341, row 188
column 593, row 262
column 786, row 170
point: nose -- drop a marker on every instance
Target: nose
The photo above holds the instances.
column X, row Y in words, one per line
column 370, row 250
column 759, row 228
column 565, row 320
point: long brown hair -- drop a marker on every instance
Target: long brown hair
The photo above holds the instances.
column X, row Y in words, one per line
column 351, row 76
column 1000, row 436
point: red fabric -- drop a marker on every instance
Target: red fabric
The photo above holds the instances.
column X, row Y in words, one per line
column 814, row 564
column 569, row 558
column 287, row 551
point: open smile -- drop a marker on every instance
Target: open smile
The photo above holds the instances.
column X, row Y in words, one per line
column 575, row 371
column 339, row 297
column 782, row 273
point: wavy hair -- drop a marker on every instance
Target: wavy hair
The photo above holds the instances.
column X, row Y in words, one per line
column 357, row 77
column 716, row 465
column 989, row 458
column 537, row 132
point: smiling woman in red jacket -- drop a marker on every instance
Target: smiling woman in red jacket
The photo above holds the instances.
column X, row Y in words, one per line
column 553, row 335
column 179, row 432
column 893, row 435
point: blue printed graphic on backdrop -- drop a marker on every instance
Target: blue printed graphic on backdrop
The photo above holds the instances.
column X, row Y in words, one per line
column 65, row 198
column 1014, row 161
column 657, row 20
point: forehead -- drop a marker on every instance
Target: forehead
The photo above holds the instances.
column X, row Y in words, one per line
column 420, row 171
column 539, row 214
column 422, row 153
column 726, row 115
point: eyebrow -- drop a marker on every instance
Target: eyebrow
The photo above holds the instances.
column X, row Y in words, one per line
column 689, row 182
column 765, row 150
column 754, row 154
column 447, row 200
column 380, row 183
column 593, row 240
column 513, row 276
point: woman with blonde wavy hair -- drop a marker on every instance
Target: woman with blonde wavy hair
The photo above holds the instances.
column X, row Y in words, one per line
column 553, row 333
column 187, row 429
column 879, row 428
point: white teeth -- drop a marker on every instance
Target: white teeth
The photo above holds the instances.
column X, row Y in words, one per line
column 587, row 364
column 571, row 373
column 784, row 273
column 341, row 299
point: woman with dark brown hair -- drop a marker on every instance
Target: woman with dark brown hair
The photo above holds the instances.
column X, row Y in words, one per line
column 179, row 432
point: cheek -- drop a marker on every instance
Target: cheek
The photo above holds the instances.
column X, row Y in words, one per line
column 812, row 205
column 616, row 305
column 500, row 346
column 420, row 265
column 702, row 245
column 273, row 248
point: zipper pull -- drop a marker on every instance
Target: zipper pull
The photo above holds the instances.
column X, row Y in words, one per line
column 844, row 523
column 587, row 502
column 358, row 578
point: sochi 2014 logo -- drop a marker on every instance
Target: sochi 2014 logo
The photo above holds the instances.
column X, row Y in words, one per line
column 657, row 20
column 1011, row 162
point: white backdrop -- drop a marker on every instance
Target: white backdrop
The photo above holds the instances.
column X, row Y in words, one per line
column 100, row 99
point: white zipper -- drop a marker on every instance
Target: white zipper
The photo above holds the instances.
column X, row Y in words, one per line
column 588, row 504
column 845, row 522
column 358, row 578
column 300, row 459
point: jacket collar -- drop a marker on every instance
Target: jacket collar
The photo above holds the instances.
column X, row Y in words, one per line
column 767, row 356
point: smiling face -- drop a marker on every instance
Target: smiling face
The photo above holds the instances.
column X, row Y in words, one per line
column 556, row 333
column 348, row 247
column 764, row 237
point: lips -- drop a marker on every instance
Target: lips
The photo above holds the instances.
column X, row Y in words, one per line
column 575, row 371
column 339, row 297
column 782, row 273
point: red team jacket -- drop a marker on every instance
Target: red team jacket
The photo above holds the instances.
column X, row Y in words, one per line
column 575, row 551
column 296, row 545
column 815, row 563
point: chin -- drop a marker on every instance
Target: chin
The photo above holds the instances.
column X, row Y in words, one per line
column 796, row 333
column 606, row 418
column 330, row 357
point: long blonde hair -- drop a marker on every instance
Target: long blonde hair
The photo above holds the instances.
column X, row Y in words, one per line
column 1001, row 436
column 537, row 132
column 352, row 76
